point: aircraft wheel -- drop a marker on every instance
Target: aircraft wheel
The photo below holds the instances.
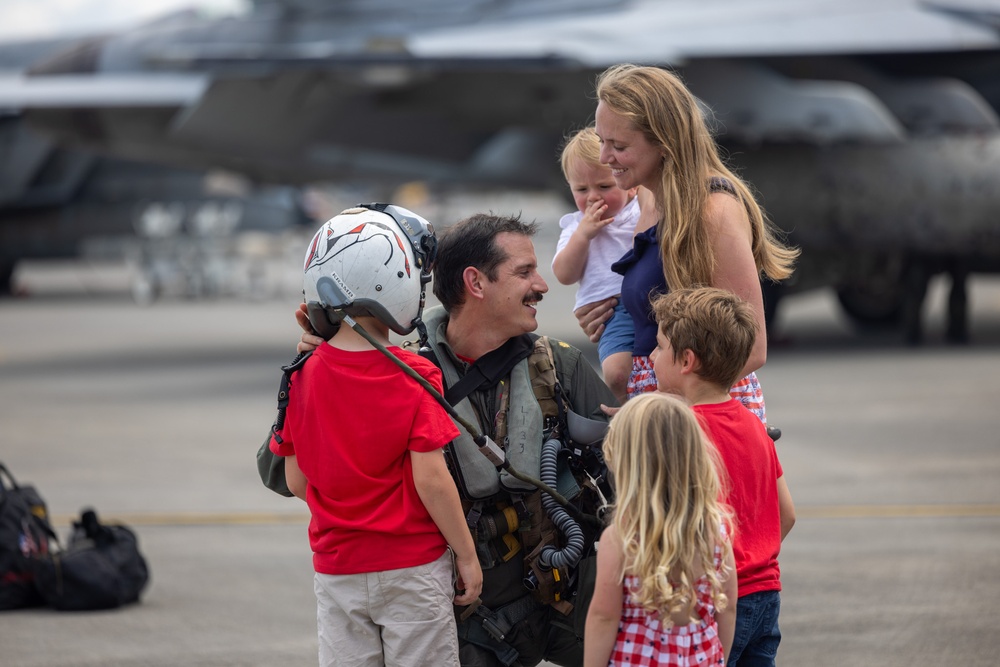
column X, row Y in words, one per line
column 874, row 305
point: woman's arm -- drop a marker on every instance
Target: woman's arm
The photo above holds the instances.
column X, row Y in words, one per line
column 735, row 269
column 605, row 611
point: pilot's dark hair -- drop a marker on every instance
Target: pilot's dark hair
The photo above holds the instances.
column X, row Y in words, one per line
column 472, row 242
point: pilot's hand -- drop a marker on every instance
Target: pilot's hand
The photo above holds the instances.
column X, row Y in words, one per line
column 470, row 580
column 609, row 411
column 309, row 341
column 592, row 317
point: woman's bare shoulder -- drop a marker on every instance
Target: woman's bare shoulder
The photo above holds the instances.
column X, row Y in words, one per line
column 725, row 215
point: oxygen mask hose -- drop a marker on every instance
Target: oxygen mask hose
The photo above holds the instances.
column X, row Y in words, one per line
column 487, row 447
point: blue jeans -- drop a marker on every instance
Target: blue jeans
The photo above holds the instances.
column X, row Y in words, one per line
column 755, row 642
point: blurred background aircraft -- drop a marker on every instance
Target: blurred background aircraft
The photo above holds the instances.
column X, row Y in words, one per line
column 870, row 129
column 177, row 226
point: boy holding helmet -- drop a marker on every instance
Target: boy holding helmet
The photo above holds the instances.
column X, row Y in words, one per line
column 362, row 446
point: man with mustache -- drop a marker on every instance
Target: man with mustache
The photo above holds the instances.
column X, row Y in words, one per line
column 486, row 278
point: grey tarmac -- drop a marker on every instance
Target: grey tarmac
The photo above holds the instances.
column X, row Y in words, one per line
column 152, row 416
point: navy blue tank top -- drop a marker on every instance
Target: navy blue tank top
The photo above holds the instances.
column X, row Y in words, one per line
column 643, row 279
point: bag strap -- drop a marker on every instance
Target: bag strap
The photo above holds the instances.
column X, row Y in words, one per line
column 286, row 384
column 10, row 478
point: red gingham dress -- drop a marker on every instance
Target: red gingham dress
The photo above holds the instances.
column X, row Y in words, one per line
column 644, row 641
column 746, row 390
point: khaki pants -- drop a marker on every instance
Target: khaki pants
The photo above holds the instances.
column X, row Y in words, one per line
column 397, row 618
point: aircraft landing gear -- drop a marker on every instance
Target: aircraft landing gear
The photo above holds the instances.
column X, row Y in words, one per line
column 918, row 277
column 957, row 330
column 893, row 298
column 7, row 278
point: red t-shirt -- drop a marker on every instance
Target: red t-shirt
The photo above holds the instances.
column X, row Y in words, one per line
column 351, row 421
column 752, row 464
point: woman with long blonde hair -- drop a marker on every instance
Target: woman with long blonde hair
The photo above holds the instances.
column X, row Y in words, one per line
column 666, row 584
column 706, row 227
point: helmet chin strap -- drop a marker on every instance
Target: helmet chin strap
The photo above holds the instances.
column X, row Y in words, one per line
column 487, row 447
column 421, row 328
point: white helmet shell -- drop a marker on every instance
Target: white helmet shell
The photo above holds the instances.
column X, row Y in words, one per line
column 373, row 259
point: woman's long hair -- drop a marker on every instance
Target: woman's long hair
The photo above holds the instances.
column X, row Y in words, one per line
column 659, row 105
column 668, row 509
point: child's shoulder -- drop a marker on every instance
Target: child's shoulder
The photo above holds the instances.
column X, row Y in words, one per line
column 731, row 413
column 570, row 219
column 422, row 365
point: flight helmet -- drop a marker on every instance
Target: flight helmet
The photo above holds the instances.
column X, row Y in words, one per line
column 372, row 259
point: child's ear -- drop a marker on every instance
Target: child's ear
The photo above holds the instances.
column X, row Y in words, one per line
column 632, row 192
column 689, row 361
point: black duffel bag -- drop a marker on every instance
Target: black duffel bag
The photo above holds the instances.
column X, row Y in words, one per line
column 100, row 568
column 25, row 535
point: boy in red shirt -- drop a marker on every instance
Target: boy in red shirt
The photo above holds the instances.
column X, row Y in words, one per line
column 363, row 442
column 704, row 338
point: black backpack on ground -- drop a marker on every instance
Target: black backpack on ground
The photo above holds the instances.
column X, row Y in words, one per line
column 100, row 568
column 25, row 534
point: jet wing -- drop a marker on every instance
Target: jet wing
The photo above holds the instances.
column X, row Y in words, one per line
column 104, row 91
column 298, row 97
column 671, row 32
column 720, row 48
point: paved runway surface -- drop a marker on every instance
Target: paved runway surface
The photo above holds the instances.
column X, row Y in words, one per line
column 152, row 416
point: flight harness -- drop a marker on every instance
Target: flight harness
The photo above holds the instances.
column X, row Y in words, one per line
column 555, row 536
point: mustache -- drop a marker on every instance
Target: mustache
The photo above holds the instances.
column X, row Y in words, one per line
column 535, row 296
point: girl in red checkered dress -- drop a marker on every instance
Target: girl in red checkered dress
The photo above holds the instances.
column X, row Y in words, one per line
column 666, row 582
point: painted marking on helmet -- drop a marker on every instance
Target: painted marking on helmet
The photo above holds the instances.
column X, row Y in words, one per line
column 406, row 262
column 312, row 250
column 331, row 249
column 342, row 285
column 405, row 224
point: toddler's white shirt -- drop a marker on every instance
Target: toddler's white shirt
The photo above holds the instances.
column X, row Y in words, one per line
column 599, row 281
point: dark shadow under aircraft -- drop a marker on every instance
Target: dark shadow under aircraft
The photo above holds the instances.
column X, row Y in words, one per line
column 870, row 129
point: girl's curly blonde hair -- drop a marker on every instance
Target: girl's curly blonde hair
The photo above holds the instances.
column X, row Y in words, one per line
column 668, row 510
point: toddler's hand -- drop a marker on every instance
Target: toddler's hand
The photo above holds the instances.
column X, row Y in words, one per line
column 592, row 221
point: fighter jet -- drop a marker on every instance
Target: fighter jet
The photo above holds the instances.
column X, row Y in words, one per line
column 870, row 129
